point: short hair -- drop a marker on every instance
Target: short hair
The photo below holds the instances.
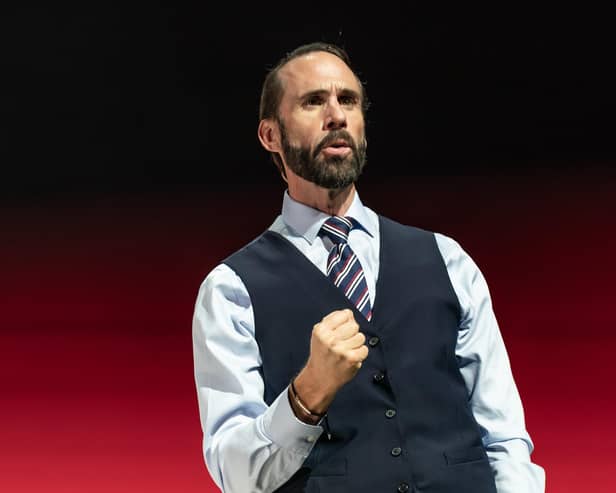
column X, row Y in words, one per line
column 271, row 92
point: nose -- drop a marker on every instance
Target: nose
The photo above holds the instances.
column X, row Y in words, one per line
column 335, row 117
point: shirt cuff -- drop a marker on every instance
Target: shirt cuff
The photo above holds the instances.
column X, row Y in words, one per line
column 284, row 429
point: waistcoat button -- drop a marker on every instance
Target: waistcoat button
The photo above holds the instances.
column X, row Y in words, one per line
column 396, row 451
column 403, row 488
column 378, row 377
column 373, row 341
column 390, row 413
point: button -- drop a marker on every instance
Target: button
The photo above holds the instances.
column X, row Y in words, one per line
column 390, row 413
column 310, row 439
column 403, row 488
column 378, row 377
column 373, row 341
column 396, row 451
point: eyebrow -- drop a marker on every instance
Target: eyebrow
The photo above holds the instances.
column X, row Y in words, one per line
column 324, row 92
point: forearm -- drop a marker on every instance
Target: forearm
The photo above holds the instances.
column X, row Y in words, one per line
column 485, row 368
column 259, row 454
column 248, row 446
column 513, row 470
column 497, row 407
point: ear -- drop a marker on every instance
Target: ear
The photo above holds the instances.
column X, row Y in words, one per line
column 269, row 135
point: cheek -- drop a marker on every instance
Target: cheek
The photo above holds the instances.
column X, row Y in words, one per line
column 303, row 133
column 356, row 128
column 359, row 135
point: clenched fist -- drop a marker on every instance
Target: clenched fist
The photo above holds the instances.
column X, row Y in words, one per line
column 337, row 351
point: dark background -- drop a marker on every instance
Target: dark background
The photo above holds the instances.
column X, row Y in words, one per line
column 130, row 166
column 157, row 96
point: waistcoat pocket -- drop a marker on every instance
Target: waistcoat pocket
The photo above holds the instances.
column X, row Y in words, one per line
column 462, row 456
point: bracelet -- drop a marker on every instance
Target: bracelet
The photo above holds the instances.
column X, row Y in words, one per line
column 303, row 406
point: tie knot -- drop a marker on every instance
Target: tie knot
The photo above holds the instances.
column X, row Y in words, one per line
column 337, row 229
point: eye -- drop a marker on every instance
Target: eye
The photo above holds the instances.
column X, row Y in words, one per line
column 347, row 100
column 313, row 100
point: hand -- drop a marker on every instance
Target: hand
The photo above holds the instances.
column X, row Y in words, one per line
column 337, row 351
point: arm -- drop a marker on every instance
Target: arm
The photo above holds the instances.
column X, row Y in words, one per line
column 247, row 445
column 485, row 367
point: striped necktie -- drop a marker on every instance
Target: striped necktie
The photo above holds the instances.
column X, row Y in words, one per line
column 343, row 266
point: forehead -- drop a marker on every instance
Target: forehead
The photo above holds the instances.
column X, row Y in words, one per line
column 317, row 71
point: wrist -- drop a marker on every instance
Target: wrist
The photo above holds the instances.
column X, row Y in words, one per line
column 313, row 390
column 301, row 409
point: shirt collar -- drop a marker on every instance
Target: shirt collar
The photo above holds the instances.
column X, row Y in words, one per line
column 307, row 222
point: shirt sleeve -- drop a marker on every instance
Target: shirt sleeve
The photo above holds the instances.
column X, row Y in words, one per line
column 247, row 445
column 485, row 367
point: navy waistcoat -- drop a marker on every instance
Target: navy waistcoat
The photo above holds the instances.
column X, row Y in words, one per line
column 404, row 422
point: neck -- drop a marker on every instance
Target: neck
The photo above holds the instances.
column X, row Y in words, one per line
column 334, row 202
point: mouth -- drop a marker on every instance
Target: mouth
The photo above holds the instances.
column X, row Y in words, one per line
column 337, row 147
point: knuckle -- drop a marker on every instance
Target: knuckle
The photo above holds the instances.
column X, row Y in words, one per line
column 320, row 329
column 339, row 353
column 326, row 337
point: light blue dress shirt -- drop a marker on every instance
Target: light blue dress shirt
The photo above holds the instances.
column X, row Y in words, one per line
column 250, row 447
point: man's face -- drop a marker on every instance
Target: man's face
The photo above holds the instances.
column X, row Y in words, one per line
column 321, row 121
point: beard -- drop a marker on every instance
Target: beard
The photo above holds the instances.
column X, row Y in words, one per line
column 332, row 172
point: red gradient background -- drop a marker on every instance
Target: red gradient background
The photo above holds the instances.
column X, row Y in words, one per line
column 98, row 291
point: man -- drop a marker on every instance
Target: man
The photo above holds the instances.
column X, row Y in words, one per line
column 341, row 351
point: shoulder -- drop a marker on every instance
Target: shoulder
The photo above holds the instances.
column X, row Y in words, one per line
column 464, row 273
column 395, row 232
column 388, row 223
column 457, row 260
column 449, row 247
column 222, row 282
column 455, row 256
